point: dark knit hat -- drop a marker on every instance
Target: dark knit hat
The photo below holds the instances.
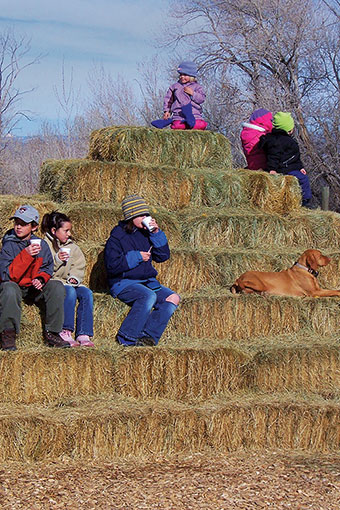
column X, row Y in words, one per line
column 284, row 121
column 188, row 68
column 134, row 206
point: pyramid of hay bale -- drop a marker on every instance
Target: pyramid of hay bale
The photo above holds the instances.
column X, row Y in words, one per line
column 230, row 372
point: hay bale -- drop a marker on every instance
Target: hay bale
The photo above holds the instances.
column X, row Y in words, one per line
column 168, row 147
column 110, row 427
column 242, row 228
column 170, row 187
column 48, row 375
column 180, row 374
column 313, row 368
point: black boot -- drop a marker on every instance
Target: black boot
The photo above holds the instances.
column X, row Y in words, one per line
column 8, row 337
column 54, row 340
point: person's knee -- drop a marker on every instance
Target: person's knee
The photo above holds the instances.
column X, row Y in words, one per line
column 9, row 290
column 174, row 299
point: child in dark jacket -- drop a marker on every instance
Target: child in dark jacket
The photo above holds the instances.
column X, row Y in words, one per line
column 182, row 103
column 283, row 154
column 26, row 267
column 129, row 253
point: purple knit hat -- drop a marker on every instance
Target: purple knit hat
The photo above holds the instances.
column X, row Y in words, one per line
column 258, row 113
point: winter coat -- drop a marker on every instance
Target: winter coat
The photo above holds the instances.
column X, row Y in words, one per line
column 250, row 136
column 18, row 266
column 123, row 261
column 175, row 98
column 73, row 268
column 282, row 151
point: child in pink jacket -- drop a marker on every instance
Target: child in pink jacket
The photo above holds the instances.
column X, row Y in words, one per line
column 260, row 123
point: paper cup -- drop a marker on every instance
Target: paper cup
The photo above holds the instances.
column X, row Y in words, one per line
column 65, row 249
column 35, row 241
column 146, row 223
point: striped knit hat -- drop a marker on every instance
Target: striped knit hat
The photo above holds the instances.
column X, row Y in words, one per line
column 133, row 206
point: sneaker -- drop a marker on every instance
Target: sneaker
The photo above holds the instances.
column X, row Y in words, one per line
column 84, row 341
column 66, row 335
column 7, row 342
column 54, row 340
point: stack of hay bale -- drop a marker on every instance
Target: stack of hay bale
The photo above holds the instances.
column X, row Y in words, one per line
column 230, row 372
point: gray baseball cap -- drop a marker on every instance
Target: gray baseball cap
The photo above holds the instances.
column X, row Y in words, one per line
column 26, row 213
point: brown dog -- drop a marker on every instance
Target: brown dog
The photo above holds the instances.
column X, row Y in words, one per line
column 299, row 280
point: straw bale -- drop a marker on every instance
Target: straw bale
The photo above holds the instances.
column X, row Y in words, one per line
column 163, row 147
column 215, row 316
column 207, row 227
column 273, row 193
column 92, row 221
column 110, row 427
column 9, row 203
column 85, row 180
column 47, row 375
column 314, row 368
column 181, row 374
column 170, row 187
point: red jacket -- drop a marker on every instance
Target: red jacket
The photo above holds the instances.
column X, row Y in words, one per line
column 18, row 266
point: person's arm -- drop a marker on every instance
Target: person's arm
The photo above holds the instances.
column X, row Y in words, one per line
column 160, row 248
column 116, row 261
column 76, row 267
column 198, row 96
column 168, row 100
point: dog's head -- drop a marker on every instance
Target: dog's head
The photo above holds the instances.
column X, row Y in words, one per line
column 313, row 259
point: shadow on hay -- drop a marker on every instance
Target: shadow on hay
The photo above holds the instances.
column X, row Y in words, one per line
column 98, row 277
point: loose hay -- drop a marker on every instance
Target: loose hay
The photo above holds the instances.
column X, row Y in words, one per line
column 147, row 145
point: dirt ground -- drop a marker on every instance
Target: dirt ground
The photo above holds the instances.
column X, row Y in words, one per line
column 242, row 481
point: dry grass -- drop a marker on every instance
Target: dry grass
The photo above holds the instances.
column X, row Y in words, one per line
column 146, row 145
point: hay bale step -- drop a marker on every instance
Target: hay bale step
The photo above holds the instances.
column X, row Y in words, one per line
column 215, row 315
column 113, row 427
column 189, row 270
column 160, row 147
column 170, row 187
column 43, row 375
column 191, row 371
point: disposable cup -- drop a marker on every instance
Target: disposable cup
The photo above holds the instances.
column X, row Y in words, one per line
column 146, row 223
column 35, row 241
column 65, row 249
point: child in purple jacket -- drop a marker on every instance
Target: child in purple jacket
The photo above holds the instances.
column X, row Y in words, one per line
column 183, row 100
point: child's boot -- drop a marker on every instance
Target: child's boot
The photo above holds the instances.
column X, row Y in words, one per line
column 161, row 123
column 188, row 115
column 8, row 338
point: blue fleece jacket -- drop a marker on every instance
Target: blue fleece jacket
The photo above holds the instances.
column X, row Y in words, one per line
column 123, row 261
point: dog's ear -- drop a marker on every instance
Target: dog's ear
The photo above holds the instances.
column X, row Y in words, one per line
column 315, row 259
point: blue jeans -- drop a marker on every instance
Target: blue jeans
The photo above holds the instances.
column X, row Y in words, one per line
column 304, row 184
column 149, row 314
column 84, row 323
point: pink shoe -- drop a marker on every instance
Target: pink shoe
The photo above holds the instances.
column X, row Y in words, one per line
column 66, row 335
column 84, row 341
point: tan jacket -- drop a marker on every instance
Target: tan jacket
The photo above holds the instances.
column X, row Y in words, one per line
column 73, row 268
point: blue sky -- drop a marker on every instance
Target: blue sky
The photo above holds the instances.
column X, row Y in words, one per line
column 118, row 34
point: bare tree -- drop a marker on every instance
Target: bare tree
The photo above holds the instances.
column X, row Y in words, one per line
column 13, row 60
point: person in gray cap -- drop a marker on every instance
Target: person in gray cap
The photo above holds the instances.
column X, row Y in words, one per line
column 26, row 266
